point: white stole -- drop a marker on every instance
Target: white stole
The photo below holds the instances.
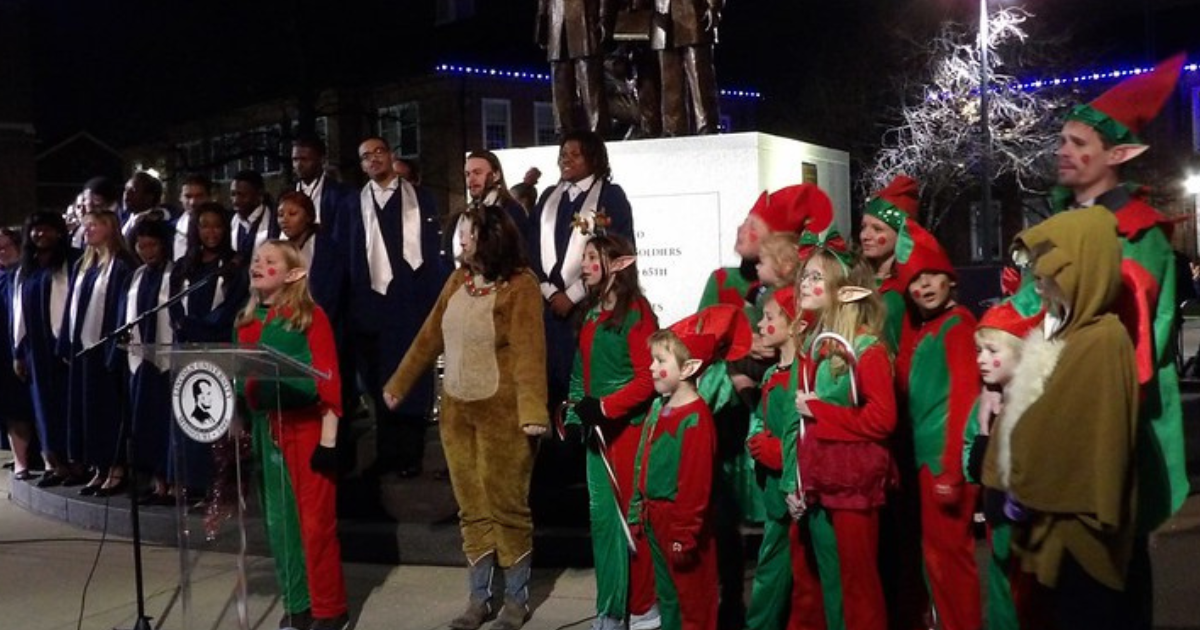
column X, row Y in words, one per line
column 379, row 264
column 572, row 267
column 163, row 333
column 90, row 332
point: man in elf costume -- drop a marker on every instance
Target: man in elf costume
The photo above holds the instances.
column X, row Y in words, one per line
column 1096, row 140
column 939, row 381
column 883, row 245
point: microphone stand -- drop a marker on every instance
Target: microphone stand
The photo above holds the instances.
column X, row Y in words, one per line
column 121, row 335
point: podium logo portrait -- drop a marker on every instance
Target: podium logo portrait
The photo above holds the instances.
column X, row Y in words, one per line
column 202, row 398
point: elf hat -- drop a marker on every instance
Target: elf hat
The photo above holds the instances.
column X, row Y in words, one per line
column 897, row 203
column 726, row 326
column 796, row 208
column 786, row 298
column 1123, row 111
column 1004, row 316
column 925, row 254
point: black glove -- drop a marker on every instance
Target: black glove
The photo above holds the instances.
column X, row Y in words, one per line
column 589, row 411
column 572, row 433
column 324, row 460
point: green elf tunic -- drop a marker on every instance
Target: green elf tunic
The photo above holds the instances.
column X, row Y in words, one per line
column 613, row 364
column 299, row 505
column 674, row 473
column 1001, row 609
column 775, row 419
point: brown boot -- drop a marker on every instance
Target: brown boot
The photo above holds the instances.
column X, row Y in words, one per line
column 512, row 616
column 474, row 616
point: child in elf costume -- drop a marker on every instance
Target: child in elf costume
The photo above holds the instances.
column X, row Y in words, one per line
column 612, row 387
column 845, row 463
column 1064, row 447
column 998, row 342
column 939, row 381
column 296, row 445
column 772, row 445
column 673, row 475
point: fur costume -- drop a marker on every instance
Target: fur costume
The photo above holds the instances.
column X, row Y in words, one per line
column 1065, row 443
column 495, row 382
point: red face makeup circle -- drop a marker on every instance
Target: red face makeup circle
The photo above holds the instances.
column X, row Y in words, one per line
column 818, row 291
column 770, row 330
column 996, row 363
column 753, row 236
column 271, row 271
column 662, row 374
column 882, row 240
column 595, row 267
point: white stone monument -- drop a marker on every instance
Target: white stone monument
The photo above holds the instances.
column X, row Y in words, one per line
column 689, row 195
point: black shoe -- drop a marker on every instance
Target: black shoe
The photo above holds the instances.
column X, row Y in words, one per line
column 113, row 490
column 24, row 475
column 91, row 489
column 50, row 479
column 71, row 480
column 302, row 620
column 332, row 623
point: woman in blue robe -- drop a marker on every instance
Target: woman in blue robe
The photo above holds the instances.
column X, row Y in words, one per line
column 39, row 302
column 16, row 412
column 97, row 404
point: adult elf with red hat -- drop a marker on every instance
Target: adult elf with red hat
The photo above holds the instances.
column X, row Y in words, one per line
column 939, row 381
column 1096, row 140
column 884, row 244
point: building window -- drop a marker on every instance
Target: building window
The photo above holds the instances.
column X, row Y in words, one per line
column 725, row 124
column 262, row 146
column 497, row 124
column 448, row 11
column 226, row 154
column 543, row 124
column 400, row 125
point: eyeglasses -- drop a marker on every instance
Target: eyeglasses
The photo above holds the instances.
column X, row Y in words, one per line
column 812, row 276
column 376, row 152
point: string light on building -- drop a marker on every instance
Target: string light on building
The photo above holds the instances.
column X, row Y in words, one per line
column 519, row 75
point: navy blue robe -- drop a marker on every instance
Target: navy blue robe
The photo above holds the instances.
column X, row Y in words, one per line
column 47, row 372
column 149, row 387
column 17, row 405
column 96, row 390
column 561, row 342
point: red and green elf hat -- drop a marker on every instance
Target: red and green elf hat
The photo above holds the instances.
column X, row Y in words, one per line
column 720, row 331
column 796, row 208
column 1004, row 316
column 786, row 298
column 897, row 203
column 1120, row 113
column 925, row 254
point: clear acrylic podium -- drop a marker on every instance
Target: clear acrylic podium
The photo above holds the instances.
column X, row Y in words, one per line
column 220, row 584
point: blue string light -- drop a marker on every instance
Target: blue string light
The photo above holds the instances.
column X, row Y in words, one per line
column 1038, row 84
column 518, row 75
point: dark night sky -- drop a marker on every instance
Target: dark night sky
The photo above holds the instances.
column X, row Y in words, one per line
column 123, row 68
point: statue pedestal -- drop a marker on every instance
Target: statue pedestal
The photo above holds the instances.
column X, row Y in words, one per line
column 690, row 194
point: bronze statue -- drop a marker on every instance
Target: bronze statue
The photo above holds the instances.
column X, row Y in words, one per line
column 573, row 32
column 683, row 32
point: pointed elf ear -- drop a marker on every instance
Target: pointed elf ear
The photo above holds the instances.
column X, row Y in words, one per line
column 299, row 273
column 852, row 294
column 620, row 263
column 1122, row 153
column 689, row 368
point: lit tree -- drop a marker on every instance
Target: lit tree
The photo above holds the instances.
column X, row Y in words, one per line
column 937, row 140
